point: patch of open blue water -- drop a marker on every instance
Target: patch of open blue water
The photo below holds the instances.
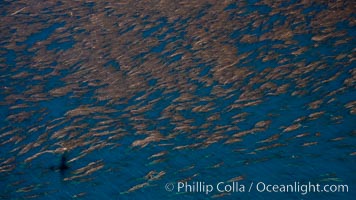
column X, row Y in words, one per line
column 149, row 32
column 61, row 46
column 261, row 9
column 58, row 106
column 113, row 63
column 43, row 34
column 230, row 6
column 314, row 7
column 10, row 58
column 159, row 48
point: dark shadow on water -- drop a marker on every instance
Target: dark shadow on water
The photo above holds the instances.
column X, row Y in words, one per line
column 63, row 167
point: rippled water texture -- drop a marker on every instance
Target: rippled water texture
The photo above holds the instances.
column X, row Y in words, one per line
column 132, row 95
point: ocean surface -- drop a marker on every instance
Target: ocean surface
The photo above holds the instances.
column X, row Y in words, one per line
column 163, row 99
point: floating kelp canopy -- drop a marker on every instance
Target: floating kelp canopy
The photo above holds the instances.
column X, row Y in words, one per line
column 144, row 93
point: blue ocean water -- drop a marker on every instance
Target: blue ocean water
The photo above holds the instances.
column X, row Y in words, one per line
column 137, row 100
